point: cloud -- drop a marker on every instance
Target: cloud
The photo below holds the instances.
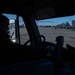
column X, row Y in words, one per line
column 12, row 21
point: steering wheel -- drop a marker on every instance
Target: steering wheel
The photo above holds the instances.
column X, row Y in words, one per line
column 35, row 38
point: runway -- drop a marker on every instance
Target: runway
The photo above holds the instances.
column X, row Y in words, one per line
column 50, row 35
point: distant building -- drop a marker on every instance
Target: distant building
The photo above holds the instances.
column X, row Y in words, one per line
column 73, row 23
column 67, row 24
column 11, row 24
column 61, row 25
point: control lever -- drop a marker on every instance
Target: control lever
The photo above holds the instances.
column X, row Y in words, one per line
column 58, row 51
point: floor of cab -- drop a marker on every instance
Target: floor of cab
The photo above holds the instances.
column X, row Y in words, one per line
column 38, row 67
column 66, row 70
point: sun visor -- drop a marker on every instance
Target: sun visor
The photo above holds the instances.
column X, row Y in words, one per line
column 45, row 13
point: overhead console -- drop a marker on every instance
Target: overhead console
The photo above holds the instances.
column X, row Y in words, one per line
column 62, row 9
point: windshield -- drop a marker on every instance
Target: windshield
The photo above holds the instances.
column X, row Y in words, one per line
column 62, row 26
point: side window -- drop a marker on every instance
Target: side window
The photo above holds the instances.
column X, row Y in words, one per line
column 12, row 29
column 12, row 19
column 23, row 31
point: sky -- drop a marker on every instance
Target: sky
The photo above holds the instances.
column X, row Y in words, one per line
column 12, row 17
column 55, row 21
column 52, row 22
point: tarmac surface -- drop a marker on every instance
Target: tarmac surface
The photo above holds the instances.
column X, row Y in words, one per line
column 50, row 35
